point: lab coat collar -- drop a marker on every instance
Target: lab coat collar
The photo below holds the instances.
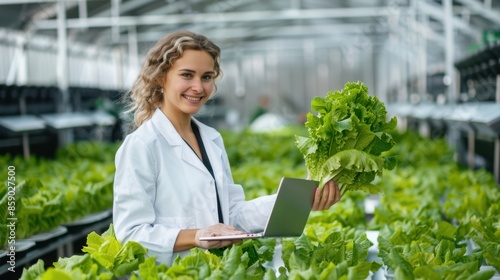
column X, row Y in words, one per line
column 209, row 136
column 166, row 128
column 170, row 134
column 208, row 132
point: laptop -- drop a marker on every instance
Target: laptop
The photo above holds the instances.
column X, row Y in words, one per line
column 289, row 214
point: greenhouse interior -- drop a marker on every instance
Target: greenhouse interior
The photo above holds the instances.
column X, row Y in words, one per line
column 390, row 107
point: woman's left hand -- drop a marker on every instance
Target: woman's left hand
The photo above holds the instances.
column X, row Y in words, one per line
column 327, row 196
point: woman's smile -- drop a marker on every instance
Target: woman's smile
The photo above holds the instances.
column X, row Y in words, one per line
column 193, row 99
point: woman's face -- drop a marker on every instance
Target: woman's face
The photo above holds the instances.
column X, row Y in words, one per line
column 188, row 84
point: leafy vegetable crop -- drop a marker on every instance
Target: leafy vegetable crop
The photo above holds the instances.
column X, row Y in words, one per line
column 342, row 255
column 51, row 192
column 105, row 258
column 347, row 137
column 436, row 220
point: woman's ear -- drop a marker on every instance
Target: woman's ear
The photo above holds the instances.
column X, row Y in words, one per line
column 161, row 82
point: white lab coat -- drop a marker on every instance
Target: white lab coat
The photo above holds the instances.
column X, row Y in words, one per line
column 161, row 187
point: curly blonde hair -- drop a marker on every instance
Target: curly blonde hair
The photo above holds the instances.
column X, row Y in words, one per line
column 146, row 94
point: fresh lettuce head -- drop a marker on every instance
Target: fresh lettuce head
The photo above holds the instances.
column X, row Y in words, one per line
column 347, row 138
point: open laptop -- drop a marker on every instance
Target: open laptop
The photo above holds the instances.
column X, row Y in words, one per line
column 289, row 214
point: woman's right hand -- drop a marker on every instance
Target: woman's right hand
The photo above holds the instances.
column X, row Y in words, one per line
column 216, row 230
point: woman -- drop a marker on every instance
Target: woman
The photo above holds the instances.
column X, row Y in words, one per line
column 173, row 182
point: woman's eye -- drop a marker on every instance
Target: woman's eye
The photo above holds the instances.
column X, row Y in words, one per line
column 186, row 75
column 207, row 77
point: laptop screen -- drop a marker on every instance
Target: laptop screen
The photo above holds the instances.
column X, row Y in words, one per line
column 292, row 208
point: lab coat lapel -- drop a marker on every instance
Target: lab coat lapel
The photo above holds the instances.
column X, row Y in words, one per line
column 189, row 156
column 213, row 150
column 212, row 140
column 167, row 130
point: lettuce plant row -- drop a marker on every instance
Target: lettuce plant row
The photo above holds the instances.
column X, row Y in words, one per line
column 51, row 192
column 436, row 220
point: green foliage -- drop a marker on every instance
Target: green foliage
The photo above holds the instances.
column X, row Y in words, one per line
column 437, row 220
column 51, row 192
column 259, row 159
column 471, row 193
column 342, row 254
column 485, row 233
column 267, row 147
column 416, row 151
column 430, row 212
column 109, row 253
column 347, row 138
column 34, row 272
column 349, row 212
column 105, row 258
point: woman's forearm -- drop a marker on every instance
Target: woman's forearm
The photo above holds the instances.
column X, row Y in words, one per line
column 185, row 240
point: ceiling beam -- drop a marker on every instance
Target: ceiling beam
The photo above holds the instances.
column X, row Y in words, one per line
column 275, row 44
column 125, row 7
column 103, row 36
column 43, row 12
column 438, row 14
column 478, row 7
column 421, row 29
column 223, row 17
column 17, row 2
column 223, row 6
column 275, row 31
column 218, row 7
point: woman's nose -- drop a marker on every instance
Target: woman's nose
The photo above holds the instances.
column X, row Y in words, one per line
column 197, row 85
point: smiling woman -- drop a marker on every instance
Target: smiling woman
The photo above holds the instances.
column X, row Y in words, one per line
column 173, row 182
column 146, row 94
column 187, row 86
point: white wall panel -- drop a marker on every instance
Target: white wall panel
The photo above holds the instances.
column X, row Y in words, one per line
column 41, row 67
column 6, row 56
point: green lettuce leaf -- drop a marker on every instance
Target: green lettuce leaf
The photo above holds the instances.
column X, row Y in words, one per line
column 347, row 138
column 34, row 272
column 128, row 258
column 83, row 262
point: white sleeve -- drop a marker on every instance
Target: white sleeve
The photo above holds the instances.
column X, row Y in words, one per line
column 252, row 215
column 248, row 216
column 134, row 195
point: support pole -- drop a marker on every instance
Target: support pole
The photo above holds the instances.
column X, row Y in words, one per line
column 471, row 148
column 26, row 146
column 133, row 54
column 25, row 136
column 295, row 4
column 449, row 51
column 22, row 68
column 496, row 161
column 62, row 54
column 422, row 54
column 496, row 156
column 115, row 17
column 498, row 89
column 18, row 71
column 82, row 13
column 62, row 68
